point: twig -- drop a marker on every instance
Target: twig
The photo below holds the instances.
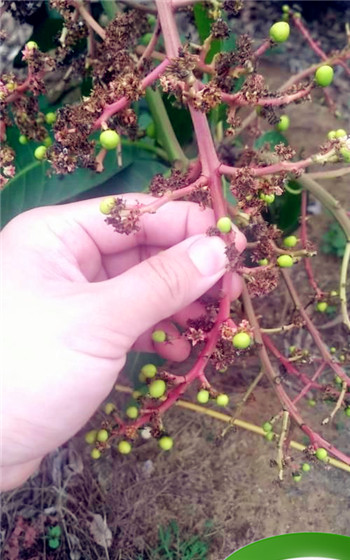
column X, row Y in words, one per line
column 281, row 440
column 242, row 402
column 338, row 404
column 239, row 423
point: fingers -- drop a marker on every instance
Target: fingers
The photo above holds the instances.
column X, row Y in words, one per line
column 162, row 285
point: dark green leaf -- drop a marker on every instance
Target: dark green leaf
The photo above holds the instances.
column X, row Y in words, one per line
column 272, row 137
column 285, row 211
column 32, row 187
column 180, row 120
column 203, row 23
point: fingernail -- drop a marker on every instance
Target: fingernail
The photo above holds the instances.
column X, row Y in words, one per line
column 208, row 255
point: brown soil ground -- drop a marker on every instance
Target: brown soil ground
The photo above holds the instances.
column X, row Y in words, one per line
column 232, row 484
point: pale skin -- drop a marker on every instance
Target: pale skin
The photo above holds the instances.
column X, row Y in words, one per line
column 76, row 298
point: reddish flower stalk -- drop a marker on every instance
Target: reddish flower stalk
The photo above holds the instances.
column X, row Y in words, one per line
column 311, row 383
column 269, row 169
column 123, row 102
column 287, row 403
column 287, row 364
column 326, row 356
column 238, row 99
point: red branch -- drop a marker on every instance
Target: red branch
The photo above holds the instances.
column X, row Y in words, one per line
column 123, row 102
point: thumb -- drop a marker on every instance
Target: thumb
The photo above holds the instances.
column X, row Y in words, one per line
column 164, row 284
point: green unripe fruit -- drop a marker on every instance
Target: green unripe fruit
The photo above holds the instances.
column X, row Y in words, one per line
column 107, row 205
column 50, row 118
column 132, row 412
column 322, row 306
column 90, row 437
column 340, row 133
column 279, row 32
column 32, row 45
column 263, row 262
column 149, row 370
column 109, row 407
column 136, row 394
column 47, row 142
column 53, row 543
column 290, row 241
column 23, row 140
column 297, row 477
column 124, row 447
column 166, row 443
column 142, row 377
column 157, row 388
column 283, row 123
column 292, row 349
column 338, row 380
column 333, row 350
column 269, row 436
column 345, row 154
column 151, row 130
column 241, row 340
column 222, row 400
column 159, row 336
column 285, row 261
column 109, row 139
column 306, row 467
column 285, row 8
column 102, row 435
column 321, row 454
column 95, row 453
column 311, row 402
column 331, row 135
column 324, row 75
column 347, row 411
column 203, row 396
column 334, row 293
column 268, row 198
column 267, row 427
column 40, row 153
column 224, row 224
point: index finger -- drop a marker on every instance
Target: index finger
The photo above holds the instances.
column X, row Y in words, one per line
column 171, row 224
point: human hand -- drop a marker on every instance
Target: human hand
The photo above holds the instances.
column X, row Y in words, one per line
column 78, row 297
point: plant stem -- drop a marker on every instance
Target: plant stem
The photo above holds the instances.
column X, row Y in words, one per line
column 340, row 215
column 123, row 102
column 164, row 130
column 326, row 356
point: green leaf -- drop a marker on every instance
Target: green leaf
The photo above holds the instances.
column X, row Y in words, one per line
column 55, row 532
column 54, row 543
column 272, row 137
column 180, row 119
column 285, row 211
column 203, row 23
column 135, row 178
column 32, row 187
